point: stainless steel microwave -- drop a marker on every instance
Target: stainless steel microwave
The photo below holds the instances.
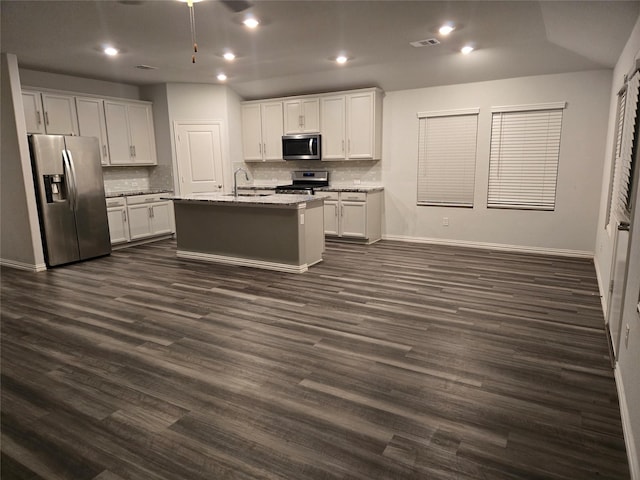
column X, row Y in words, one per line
column 306, row 146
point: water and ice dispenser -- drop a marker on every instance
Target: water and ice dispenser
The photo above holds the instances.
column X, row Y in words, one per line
column 55, row 188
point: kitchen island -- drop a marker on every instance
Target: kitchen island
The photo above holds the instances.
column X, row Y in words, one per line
column 275, row 232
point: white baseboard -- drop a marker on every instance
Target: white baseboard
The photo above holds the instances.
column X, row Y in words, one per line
column 492, row 246
column 30, row 267
column 602, row 290
column 632, row 450
column 245, row 262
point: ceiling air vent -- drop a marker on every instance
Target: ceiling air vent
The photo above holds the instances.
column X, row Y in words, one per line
column 146, row 67
column 425, row 43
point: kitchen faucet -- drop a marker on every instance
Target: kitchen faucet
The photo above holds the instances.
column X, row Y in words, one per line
column 235, row 180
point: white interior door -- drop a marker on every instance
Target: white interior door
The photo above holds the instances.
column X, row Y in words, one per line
column 617, row 287
column 200, row 157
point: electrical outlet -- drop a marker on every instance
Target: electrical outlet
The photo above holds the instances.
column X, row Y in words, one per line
column 445, row 221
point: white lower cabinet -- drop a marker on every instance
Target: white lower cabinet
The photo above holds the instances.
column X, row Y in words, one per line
column 140, row 217
column 353, row 215
column 118, row 221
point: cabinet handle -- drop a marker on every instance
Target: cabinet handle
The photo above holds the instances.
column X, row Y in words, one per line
column 335, row 207
column 124, row 216
column 39, row 120
column 264, row 148
column 349, row 146
column 342, row 146
column 46, row 118
column 130, row 151
column 134, row 150
column 104, row 150
column 301, row 120
column 260, row 148
column 342, row 210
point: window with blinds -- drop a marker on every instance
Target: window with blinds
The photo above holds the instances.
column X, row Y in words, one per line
column 620, row 110
column 447, row 157
column 626, row 146
column 523, row 163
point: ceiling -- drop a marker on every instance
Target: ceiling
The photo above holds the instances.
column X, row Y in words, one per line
column 292, row 51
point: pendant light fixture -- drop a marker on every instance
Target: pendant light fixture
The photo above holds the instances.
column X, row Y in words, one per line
column 192, row 26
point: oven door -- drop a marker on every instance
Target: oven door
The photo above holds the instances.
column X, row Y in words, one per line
column 301, row 147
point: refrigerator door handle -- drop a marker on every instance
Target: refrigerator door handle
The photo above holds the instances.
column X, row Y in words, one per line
column 71, row 176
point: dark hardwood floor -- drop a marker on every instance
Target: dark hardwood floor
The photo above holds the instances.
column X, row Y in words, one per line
column 391, row 361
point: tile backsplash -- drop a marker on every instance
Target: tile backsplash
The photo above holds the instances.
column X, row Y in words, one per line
column 345, row 173
column 126, row 179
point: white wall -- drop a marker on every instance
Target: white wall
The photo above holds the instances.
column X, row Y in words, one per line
column 56, row 81
column 20, row 242
column 571, row 228
column 628, row 365
column 195, row 102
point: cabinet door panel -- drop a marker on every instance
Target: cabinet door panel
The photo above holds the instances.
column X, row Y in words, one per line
column 32, row 104
column 360, row 126
column 310, row 115
column 141, row 134
column 161, row 220
column 60, row 114
column 118, row 229
column 331, row 217
column 91, row 123
column 139, row 221
column 117, row 133
column 252, row 133
column 292, row 117
column 332, row 117
column 272, row 128
column 353, row 219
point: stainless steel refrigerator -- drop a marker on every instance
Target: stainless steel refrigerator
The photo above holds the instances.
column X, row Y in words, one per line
column 71, row 202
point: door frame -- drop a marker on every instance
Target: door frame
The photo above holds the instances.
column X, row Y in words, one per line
column 224, row 144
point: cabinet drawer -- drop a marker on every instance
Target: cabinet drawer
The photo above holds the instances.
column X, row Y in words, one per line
column 354, row 196
column 116, row 202
column 139, row 199
column 328, row 195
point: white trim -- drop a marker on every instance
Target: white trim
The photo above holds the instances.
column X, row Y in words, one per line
column 601, row 290
column 493, row 246
column 449, row 113
column 530, row 107
column 30, row 267
column 245, row 262
column 629, row 441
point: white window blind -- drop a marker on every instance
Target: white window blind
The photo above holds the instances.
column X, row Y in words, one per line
column 523, row 164
column 619, row 205
column 620, row 111
column 447, row 157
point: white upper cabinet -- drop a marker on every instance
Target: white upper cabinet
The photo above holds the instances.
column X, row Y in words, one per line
column 91, row 123
column 131, row 140
column 333, row 114
column 50, row 113
column 262, row 129
column 302, row 116
column 351, row 126
column 60, row 114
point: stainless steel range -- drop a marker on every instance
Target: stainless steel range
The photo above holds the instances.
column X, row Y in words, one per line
column 305, row 182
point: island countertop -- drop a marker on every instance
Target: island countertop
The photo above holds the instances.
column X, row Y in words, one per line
column 272, row 200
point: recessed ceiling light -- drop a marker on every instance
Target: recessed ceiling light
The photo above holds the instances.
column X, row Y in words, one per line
column 251, row 22
column 222, row 77
column 189, row 1
column 467, row 49
column 341, row 59
column 229, row 56
column 111, row 51
column 446, row 29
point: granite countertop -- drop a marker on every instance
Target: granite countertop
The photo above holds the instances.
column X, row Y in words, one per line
column 132, row 193
column 330, row 188
column 274, row 200
column 351, row 188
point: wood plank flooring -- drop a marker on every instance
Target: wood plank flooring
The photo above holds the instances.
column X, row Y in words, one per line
column 389, row 361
